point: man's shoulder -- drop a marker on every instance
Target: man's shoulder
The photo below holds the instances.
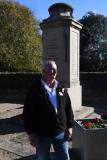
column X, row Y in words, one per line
column 36, row 84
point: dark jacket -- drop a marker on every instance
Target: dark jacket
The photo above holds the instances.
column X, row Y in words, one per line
column 40, row 116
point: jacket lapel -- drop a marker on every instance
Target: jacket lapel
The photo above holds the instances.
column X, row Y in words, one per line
column 58, row 91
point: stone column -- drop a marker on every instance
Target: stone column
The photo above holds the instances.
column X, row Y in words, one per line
column 61, row 42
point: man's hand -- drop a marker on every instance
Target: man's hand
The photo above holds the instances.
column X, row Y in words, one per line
column 33, row 139
column 69, row 134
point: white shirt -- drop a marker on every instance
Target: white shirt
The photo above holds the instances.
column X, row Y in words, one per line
column 52, row 94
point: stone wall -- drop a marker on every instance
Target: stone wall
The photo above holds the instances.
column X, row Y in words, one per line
column 16, row 81
column 91, row 82
column 94, row 89
column 94, row 86
column 95, row 83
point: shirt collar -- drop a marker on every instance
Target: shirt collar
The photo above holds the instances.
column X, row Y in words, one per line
column 47, row 87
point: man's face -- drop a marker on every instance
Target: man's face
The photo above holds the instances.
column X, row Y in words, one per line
column 49, row 74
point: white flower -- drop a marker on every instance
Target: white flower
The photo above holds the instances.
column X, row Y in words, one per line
column 60, row 93
column 62, row 90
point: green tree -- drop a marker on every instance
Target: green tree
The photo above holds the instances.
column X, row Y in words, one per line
column 20, row 41
column 93, row 39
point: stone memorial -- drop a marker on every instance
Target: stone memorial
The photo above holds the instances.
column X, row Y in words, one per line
column 61, row 42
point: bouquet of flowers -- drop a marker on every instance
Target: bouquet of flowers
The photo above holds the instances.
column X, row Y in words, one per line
column 92, row 123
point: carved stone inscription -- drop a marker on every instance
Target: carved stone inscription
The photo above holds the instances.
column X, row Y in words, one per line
column 55, row 49
column 52, row 44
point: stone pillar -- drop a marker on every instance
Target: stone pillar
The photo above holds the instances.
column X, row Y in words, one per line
column 61, row 42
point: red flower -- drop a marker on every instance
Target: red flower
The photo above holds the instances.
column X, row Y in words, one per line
column 97, row 120
column 87, row 125
column 93, row 123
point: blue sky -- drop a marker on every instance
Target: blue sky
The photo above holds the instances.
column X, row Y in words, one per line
column 40, row 7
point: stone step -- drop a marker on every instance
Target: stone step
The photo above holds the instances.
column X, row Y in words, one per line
column 83, row 112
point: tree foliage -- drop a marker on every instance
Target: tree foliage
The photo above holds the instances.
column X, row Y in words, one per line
column 93, row 38
column 20, row 41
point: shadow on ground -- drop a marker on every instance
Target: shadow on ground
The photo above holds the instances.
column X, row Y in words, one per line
column 32, row 157
column 11, row 125
column 17, row 98
column 52, row 156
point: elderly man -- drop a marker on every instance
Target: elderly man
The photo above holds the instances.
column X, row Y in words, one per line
column 48, row 115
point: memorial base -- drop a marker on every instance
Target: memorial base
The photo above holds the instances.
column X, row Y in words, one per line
column 75, row 93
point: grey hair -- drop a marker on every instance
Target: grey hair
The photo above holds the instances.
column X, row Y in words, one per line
column 47, row 64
